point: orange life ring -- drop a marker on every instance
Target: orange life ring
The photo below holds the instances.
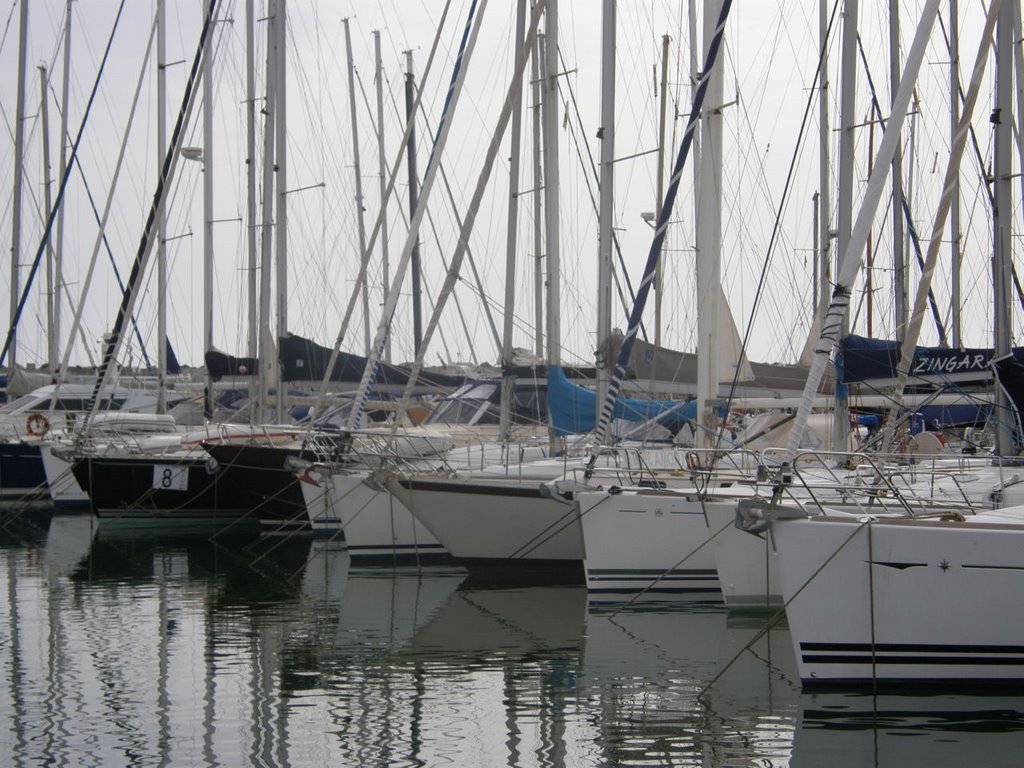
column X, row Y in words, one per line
column 37, row 424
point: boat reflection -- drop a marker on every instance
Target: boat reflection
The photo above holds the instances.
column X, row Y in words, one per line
column 911, row 729
column 280, row 652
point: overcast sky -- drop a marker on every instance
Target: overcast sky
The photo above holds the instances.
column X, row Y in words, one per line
column 769, row 61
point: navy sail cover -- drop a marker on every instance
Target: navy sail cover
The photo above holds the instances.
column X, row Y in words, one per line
column 875, row 360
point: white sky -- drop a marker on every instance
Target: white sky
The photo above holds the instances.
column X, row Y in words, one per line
column 770, row 55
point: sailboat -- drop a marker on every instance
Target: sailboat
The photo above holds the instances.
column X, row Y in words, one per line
column 920, row 599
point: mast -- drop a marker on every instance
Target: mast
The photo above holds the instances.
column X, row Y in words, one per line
column 1002, row 117
column 844, row 209
column 824, row 177
column 281, row 150
column 538, row 199
column 515, row 144
column 51, row 339
column 869, row 258
column 607, row 136
column 695, row 77
column 413, row 175
column 161, row 232
column 267, row 356
column 709, row 246
column 659, row 289
column 1018, row 81
column 815, row 247
column 207, row 217
column 357, row 169
column 58, row 259
column 19, row 179
column 250, row 180
column 954, row 213
column 382, row 172
column 899, row 251
column 551, row 210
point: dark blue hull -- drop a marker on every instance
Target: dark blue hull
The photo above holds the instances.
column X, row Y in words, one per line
column 22, row 477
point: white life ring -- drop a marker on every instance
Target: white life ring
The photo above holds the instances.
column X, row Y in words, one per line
column 37, row 424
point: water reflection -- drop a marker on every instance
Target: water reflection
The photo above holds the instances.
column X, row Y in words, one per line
column 924, row 729
column 124, row 648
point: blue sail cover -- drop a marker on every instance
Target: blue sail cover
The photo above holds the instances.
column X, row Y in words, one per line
column 573, row 409
column 866, row 359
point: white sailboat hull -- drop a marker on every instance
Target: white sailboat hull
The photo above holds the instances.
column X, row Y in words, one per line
column 376, row 524
column 652, row 543
column 905, row 600
column 65, row 491
column 747, row 572
column 496, row 520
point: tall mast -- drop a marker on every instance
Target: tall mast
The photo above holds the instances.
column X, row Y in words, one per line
column 281, row 182
column 1018, row 81
column 551, row 211
column 604, row 240
column 695, row 74
column 515, row 144
column 268, row 363
column 816, row 247
column 824, row 177
column 954, row 213
column 357, row 169
column 51, row 339
column 250, row 177
column 161, row 236
column 709, row 245
column 536, row 67
column 899, row 253
column 207, row 214
column 1003, row 215
column 19, row 178
column 413, row 174
column 659, row 289
column 844, row 209
column 382, row 172
column 58, row 260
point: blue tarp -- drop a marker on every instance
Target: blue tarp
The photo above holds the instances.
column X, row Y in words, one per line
column 573, row 409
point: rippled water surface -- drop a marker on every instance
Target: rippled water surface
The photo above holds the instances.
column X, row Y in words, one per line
column 139, row 649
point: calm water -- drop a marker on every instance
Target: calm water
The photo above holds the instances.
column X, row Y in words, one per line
column 144, row 649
